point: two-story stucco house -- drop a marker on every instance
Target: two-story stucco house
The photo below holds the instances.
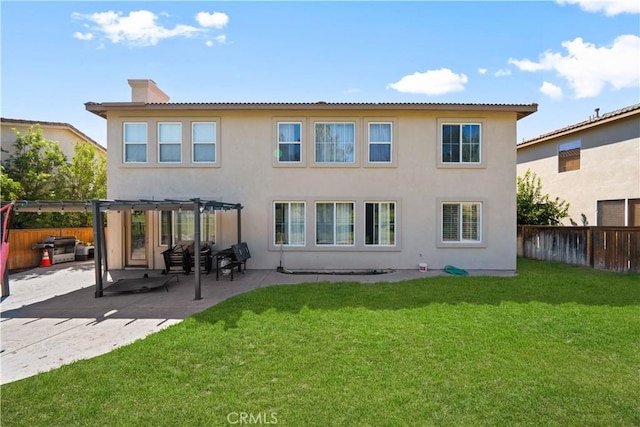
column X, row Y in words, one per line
column 64, row 134
column 594, row 165
column 323, row 185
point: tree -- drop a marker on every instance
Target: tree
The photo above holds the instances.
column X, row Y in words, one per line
column 39, row 165
column 536, row 208
column 87, row 180
column 9, row 189
column 38, row 170
column 88, row 174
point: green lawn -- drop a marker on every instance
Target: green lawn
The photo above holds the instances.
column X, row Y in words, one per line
column 557, row 345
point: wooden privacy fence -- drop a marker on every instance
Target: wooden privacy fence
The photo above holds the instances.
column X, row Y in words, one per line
column 21, row 241
column 604, row 248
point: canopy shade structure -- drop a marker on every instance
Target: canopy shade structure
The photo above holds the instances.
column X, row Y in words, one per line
column 105, row 205
column 98, row 207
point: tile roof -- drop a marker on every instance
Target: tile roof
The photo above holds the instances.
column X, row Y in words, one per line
column 5, row 120
column 592, row 121
column 100, row 109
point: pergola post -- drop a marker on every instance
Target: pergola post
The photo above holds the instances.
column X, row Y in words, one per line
column 97, row 246
column 100, row 207
column 4, row 220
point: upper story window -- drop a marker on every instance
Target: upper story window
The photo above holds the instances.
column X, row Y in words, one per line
column 135, row 142
column 203, row 141
column 380, row 223
column 569, row 156
column 289, row 142
column 380, row 141
column 461, row 143
column 461, row 222
column 289, row 223
column 169, row 142
column 335, row 223
column 335, row 142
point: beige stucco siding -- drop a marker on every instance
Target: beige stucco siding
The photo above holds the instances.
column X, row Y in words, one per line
column 246, row 174
column 609, row 167
column 64, row 136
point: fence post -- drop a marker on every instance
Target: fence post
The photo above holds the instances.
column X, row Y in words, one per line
column 590, row 232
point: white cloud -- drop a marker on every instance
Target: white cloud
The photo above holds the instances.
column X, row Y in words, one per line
column 482, row 71
column 589, row 68
column 139, row 28
column 551, row 90
column 221, row 39
column 502, row 72
column 527, row 65
column 352, row 90
column 82, row 36
column 610, row 7
column 216, row 19
column 431, row 82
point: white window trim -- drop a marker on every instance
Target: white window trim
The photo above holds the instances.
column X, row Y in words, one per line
column 289, row 245
column 125, row 143
column 315, row 224
column 481, row 164
column 300, row 143
column 390, row 143
column 214, row 143
column 275, row 137
column 395, row 224
column 460, row 125
column 160, row 161
column 340, row 121
column 482, row 243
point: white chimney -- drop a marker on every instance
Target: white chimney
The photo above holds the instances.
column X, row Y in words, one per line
column 145, row 90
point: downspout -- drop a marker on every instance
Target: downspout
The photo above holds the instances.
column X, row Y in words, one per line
column 196, row 245
column 239, row 221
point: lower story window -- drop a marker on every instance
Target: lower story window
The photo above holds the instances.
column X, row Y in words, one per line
column 618, row 213
column 335, row 223
column 380, row 223
column 180, row 226
column 461, row 222
column 289, row 223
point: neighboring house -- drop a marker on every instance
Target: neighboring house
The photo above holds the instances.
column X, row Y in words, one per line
column 325, row 186
column 594, row 165
column 65, row 134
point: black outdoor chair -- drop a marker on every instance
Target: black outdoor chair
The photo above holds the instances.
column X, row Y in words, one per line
column 180, row 257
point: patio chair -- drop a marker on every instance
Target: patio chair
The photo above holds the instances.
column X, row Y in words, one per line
column 179, row 258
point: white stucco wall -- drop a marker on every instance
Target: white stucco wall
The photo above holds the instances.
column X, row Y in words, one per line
column 246, row 175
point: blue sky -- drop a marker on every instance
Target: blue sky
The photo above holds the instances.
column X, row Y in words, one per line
column 569, row 56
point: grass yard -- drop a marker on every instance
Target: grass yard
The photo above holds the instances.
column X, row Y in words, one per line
column 557, row 345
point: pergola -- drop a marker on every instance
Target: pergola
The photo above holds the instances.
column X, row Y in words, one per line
column 99, row 207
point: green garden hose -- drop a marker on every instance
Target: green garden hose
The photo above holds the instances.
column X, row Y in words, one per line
column 455, row 270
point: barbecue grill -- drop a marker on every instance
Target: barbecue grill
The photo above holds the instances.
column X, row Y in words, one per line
column 60, row 248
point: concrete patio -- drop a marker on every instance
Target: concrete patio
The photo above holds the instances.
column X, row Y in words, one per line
column 52, row 318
